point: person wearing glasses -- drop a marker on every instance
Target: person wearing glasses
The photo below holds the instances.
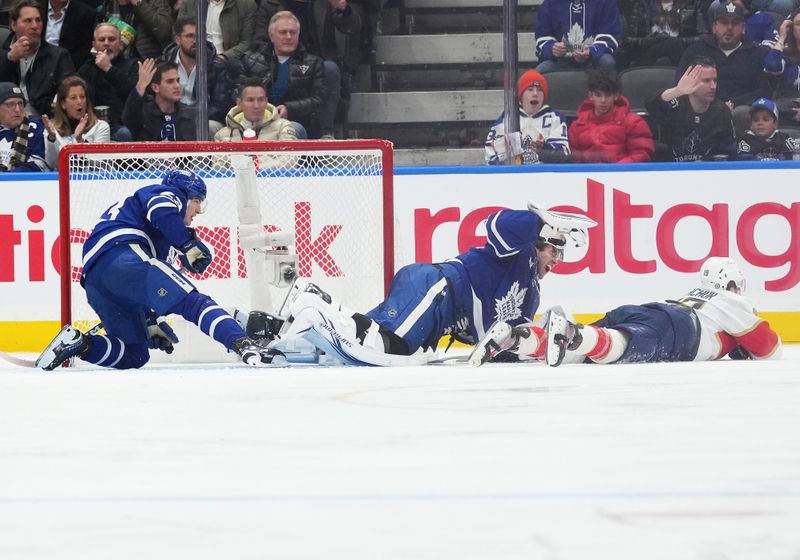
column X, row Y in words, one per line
column 21, row 136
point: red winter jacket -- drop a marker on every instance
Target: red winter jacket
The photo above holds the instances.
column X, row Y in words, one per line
column 616, row 137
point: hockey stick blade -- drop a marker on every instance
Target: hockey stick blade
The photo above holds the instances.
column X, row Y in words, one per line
column 17, row 361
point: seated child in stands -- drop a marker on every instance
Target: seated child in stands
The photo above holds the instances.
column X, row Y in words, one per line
column 763, row 140
column 542, row 136
column 606, row 131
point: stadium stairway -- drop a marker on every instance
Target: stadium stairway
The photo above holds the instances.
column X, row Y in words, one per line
column 434, row 85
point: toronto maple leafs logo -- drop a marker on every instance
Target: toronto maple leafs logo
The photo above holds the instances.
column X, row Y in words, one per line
column 509, row 307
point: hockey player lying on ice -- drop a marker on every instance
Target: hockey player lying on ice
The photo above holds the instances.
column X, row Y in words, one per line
column 707, row 323
column 460, row 297
column 130, row 282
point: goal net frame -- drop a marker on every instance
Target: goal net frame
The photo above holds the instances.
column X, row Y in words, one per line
column 179, row 150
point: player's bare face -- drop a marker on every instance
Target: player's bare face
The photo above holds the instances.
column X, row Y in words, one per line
column 603, row 101
column 28, row 27
column 253, row 103
column 549, row 257
column 763, row 124
column 169, row 88
column 108, row 40
column 532, row 99
column 193, row 208
column 728, row 31
column 74, row 104
column 285, row 36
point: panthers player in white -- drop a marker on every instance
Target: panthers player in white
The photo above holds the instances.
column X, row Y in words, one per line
column 708, row 323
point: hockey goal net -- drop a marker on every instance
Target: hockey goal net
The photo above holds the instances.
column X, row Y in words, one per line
column 334, row 197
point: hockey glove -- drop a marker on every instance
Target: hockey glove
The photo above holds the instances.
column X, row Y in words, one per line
column 196, row 255
column 160, row 336
column 573, row 225
column 739, row 353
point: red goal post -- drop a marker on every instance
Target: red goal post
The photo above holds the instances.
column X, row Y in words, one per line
column 336, row 197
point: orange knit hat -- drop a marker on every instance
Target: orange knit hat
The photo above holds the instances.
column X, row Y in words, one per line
column 528, row 79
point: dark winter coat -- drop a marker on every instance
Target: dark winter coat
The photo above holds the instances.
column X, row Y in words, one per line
column 319, row 21
column 306, row 90
column 77, row 31
column 145, row 120
column 616, row 137
column 691, row 136
column 113, row 87
column 51, row 65
column 740, row 75
column 220, row 85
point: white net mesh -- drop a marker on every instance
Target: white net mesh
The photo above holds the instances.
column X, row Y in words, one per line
column 329, row 195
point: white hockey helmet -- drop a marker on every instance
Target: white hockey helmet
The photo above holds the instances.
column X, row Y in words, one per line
column 551, row 236
column 718, row 273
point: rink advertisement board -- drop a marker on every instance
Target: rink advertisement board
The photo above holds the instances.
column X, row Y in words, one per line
column 656, row 224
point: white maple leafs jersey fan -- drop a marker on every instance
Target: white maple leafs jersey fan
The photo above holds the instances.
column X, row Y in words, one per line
column 727, row 320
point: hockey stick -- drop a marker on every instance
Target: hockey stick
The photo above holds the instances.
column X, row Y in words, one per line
column 17, row 361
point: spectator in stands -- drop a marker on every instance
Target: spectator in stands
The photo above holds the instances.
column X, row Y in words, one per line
column 110, row 77
column 759, row 26
column 656, row 32
column 74, row 120
column 332, row 30
column 69, row 25
column 542, row 136
column 183, row 52
column 230, row 25
column 37, row 66
column 606, row 131
column 145, row 25
column 695, row 125
column 153, row 111
column 254, row 118
column 577, row 34
column 293, row 77
column 21, row 136
column 763, row 141
column 783, row 7
column 783, row 61
column 738, row 60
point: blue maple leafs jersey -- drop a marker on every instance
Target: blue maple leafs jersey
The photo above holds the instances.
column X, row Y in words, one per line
column 152, row 217
column 503, row 273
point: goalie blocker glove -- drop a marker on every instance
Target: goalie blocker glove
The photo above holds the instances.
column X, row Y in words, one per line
column 196, row 255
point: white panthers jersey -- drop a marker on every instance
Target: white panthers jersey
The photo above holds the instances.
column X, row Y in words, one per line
column 728, row 320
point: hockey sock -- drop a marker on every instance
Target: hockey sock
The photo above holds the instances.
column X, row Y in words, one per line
column 212, row 319
column 601, row 345
column 531, row 341
column 111, row 352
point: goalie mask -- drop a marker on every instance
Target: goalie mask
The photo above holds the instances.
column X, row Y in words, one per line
column 719, row 273
column 188, row 182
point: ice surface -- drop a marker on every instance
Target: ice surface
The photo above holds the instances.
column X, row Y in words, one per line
column 668, row 461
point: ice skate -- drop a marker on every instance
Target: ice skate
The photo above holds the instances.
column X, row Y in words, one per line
column 255, row 355
column 561, row 336
column 499, row 338
column 67, row 344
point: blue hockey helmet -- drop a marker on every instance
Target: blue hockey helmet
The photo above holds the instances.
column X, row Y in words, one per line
column 187, row 181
